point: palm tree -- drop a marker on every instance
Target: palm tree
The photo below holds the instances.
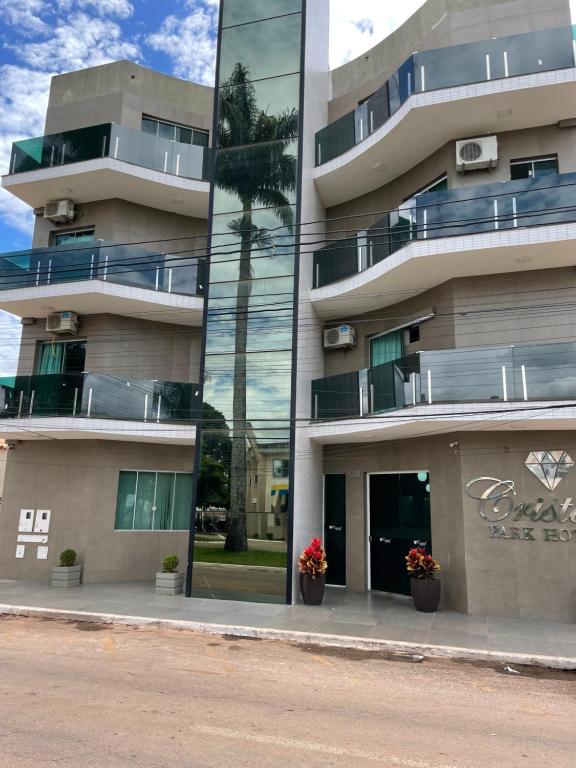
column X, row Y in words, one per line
column 266, row 174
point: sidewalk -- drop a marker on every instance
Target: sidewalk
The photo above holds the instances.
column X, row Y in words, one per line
column 369, row 621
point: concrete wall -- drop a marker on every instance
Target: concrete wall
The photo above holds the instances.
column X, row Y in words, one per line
column 119, row 221
column 437, row 24
column 78, row 482
column 480, row 575
column 121, row 92
column 126, row 346
column 512, row 145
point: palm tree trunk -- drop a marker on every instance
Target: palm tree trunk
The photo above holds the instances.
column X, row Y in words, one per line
column 236, row 534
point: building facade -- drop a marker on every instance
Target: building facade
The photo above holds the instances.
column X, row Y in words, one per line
column 306, row 302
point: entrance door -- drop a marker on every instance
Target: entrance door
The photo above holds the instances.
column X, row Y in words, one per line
column 335, row 528
column 399, row 517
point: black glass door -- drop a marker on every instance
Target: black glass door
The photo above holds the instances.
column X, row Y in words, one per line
column 335, row 528
column 399, row 518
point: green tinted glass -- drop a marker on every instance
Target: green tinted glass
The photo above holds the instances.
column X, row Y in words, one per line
column 125, row 501
column 266, row 48
column 255, row 10
column 182, row 502
column 144, row 501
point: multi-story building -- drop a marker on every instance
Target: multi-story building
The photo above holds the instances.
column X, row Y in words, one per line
column 369, row 273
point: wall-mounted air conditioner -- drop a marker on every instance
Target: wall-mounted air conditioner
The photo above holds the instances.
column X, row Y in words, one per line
column 342, row 337
column 62, row 322
column 477, row 154
column 59, row 211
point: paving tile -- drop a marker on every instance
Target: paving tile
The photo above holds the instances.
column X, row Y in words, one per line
column 346, row 629
column 401, row 634
column 458, row 639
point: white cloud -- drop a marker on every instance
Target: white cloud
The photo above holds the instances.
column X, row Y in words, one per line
column 120, row 8
column 190, row 41
column 356, row 27
column 81, row 41
column 24, row 16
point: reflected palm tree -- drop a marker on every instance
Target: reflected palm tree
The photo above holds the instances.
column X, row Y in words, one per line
column 260, row 172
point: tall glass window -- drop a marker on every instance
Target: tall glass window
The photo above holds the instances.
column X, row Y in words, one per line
column 243, row 484
column 174, row 132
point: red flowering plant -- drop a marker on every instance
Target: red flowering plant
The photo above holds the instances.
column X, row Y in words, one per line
column 313, row 560
column 421, row 565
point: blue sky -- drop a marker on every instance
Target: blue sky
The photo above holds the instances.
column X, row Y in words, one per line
column 41, row 38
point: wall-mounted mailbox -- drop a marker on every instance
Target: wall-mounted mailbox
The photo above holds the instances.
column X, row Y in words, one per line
column 42, row 522
column 26, row 523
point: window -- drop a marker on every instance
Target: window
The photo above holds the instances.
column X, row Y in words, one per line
column 440, row 185
column 386, row 347
column 414, row 334
column 174, row 132
column 153, row 501
column 532, row 169
column 280, row 468
column 71, row 238
column 61, row 357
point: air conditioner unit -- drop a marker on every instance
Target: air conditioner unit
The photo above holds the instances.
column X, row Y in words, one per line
column 59, row 211
column 477, row 154
column 62, row 322
column 342, row 337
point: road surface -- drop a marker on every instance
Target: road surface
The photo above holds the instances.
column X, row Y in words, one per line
column 93, row 696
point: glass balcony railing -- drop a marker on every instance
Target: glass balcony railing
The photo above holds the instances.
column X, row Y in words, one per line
column 99, row 396
column 456, row 65
column 110, row 140
column 463, row 211
column 475, row 374
column 123, row 264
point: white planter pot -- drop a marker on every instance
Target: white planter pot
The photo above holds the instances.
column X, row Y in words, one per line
column 169, row 583
column 66, row 576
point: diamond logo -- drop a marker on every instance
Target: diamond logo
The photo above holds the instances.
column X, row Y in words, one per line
column 550, row 467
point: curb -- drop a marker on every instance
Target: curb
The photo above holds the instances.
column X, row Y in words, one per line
column 293, row 636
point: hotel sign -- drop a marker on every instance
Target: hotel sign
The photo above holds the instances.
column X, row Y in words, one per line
column 509, row 518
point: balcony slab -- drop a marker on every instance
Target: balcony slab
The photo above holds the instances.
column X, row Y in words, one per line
column 73, row 428
column 106, row 178
column 429, row 120
column 427, row 420
column 424, row 264
column 102, row 297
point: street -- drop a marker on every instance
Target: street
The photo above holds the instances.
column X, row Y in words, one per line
column 89, row 695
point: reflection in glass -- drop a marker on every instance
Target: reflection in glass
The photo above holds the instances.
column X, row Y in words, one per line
column 256, row 10
column 266, row 48
column 275, row 95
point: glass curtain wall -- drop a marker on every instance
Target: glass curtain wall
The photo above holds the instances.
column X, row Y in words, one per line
column 241, row 507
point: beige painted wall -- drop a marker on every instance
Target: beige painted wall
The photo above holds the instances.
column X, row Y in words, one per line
column 119, row 221
column 78, row 482
column 437, row 24
column 121, row 92
column 126, row 346
column 480, row 575
column 512, row 145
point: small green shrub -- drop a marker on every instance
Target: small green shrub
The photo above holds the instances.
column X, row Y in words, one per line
column 269, row 536
column 170, row 564
column 255, row 535
column 67, row 558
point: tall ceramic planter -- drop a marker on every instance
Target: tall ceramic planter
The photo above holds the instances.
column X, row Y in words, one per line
column 426, row 594
column 312, row 590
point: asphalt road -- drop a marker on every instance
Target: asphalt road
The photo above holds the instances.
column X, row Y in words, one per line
column 93, row 696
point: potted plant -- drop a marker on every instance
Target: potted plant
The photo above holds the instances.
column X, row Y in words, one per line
column 312, row 566
column 169, row 581
column 425, row 589
column 68, row 573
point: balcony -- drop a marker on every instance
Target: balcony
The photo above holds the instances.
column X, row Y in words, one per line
column 488, row 229
column 101, row 277
column 462, row 90
column 110, row 160
column 442, row 391
column 97, row 406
